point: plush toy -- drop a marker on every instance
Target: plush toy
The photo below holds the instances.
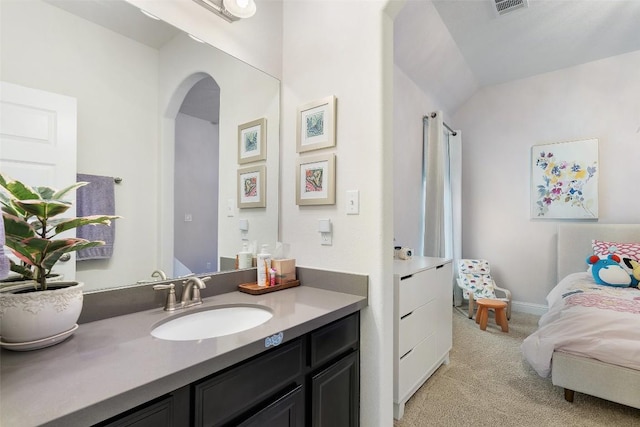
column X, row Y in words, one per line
column 607, row 271
column 634, row 266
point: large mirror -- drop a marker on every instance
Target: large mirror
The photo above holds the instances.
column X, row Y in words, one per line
column 161, row 111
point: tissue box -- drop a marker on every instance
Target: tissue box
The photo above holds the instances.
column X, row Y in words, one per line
column 285, row 270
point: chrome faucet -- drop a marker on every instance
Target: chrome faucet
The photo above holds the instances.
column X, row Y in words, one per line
column 170, row 304
column 191, row 291
column 160, row 274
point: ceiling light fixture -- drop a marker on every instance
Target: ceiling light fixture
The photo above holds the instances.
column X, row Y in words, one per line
column 240, row 8
column 230, row 10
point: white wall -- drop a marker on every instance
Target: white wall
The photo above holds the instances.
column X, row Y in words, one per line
column 501, row 123
column 196, row 193
column 410, row 105
column 340, row 48
column 246, row 94
column 57, row 52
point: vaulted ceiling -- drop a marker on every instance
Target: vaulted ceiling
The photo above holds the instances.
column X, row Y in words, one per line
column 547, row 35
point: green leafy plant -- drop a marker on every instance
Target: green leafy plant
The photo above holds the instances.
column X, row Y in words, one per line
column 33, row 224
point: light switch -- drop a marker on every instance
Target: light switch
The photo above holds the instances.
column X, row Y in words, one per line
column 231, row 207
column 244, row 224
column 353, row 202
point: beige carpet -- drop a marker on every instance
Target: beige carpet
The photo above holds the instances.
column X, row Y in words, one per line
column 488, row 383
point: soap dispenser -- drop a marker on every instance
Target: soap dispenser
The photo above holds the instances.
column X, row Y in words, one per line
column 264, row 265
column 245, row 257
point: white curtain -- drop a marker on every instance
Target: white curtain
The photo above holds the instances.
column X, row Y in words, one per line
column 442, row 164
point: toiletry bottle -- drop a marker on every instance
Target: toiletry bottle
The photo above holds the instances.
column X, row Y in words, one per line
column 272, row 277
column 245, row 257
column 264, row 265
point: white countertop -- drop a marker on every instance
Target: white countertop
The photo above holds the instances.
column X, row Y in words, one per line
column 112, row 365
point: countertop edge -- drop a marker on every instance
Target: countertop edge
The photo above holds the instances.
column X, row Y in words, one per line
column 129, row 399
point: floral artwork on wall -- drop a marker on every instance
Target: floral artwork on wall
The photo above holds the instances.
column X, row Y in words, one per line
column 252, row 141
column 316, row 180
column 564, row 180
column 251, row 187
column 316, row 125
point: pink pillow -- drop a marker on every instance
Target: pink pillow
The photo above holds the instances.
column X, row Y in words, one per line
column 623, row 250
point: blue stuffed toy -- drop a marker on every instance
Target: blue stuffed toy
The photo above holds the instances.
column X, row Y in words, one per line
column 607, row 271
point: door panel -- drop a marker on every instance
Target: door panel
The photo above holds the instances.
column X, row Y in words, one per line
column 38, row 143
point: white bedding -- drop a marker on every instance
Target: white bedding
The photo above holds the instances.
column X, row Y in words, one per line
column 590, row 320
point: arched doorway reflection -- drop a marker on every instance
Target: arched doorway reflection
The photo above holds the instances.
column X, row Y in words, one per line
column 196, row 157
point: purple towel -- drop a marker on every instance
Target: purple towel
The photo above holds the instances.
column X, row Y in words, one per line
column 4, row 261
column 96, row 198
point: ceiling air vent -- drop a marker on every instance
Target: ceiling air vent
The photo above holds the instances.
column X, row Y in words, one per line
column 505, row 6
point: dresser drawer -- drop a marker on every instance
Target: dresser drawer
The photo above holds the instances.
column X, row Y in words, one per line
column 416, row 290
column 416, row 326
column 414, row 365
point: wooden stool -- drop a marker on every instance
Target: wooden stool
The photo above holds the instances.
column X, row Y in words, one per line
column 482, row 316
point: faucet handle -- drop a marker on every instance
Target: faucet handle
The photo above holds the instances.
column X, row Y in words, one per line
column 170, row 304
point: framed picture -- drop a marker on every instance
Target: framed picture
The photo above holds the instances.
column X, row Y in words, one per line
column 316, row 180
column 564, row 180
column 316, row 125
column 252, row 187
column 252, row 141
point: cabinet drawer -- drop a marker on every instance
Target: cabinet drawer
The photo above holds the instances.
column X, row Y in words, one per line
column 414, row 365
column 157, row 414
column 417, row 290
column 416, row 326
column 334, row 339
column 225, row 396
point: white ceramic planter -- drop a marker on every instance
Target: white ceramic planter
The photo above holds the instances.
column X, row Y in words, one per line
column 32, row 317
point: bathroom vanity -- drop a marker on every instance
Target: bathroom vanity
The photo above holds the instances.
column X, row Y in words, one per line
column 301, row 367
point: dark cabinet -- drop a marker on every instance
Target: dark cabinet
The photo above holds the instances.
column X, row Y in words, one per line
column 171, row 410
column 287, row 411
column 313, row 380
column 335, row 394
column 226, row 396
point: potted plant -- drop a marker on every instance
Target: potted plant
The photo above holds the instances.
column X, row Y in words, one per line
column 42, row 312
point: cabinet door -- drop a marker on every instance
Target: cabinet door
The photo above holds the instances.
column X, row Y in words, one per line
column 335, row 394
column 288, row 411
column 229, row 395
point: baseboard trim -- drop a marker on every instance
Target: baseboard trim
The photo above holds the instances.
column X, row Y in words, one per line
column 525, row 307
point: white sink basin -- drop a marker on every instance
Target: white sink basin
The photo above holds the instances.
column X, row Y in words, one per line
column 214, row 322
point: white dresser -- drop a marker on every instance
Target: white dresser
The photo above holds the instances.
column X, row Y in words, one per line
column 422, row 301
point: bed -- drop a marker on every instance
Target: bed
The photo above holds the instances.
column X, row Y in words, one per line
column 589, row 340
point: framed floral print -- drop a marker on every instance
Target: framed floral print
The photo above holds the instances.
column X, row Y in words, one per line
column 252, row 141
column 316, row 125
column 316, row 180
column 564, row 180
column 252, row 187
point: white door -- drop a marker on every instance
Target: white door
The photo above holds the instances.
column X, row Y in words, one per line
column 38, row 143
